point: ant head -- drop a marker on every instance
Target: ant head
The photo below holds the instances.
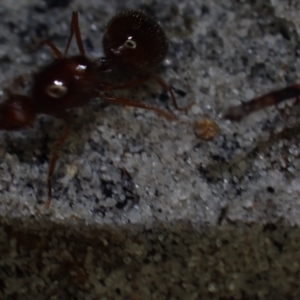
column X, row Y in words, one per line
column 16, row 112
column 135, row 40
column 58, row 85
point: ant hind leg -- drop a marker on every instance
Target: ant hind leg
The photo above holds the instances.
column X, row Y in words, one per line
column 127, row 102
column 144, row 78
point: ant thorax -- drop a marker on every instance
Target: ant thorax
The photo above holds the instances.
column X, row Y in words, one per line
column 62, row 84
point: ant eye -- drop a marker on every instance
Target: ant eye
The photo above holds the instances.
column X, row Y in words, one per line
column 131, row 44
column 56, row 91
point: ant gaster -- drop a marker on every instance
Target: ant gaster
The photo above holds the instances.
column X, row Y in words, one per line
column 69, row 82
column 136, row 42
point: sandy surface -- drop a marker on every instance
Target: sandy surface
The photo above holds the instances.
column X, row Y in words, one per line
column 142, row 208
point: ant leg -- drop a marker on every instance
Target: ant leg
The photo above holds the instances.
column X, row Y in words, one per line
column 168, row 88
column 236, row 113
column 75, row 28
column 54, row 49
column 71, row 35
column 159, row 80
column 142, row 79
column 128, row 102
column 58, row 145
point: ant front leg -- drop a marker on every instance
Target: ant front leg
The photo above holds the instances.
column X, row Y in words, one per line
column 55, row 155
column 237, row 113
column 128, row 102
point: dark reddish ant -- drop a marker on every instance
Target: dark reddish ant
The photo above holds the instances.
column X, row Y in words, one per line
column 69, row 82
column 237, row 113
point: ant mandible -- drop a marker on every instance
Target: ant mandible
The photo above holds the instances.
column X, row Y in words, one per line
column 69, row 82
column 237, row 113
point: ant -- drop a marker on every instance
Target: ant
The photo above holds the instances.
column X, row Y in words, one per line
column 237, row 113
column 72, row 81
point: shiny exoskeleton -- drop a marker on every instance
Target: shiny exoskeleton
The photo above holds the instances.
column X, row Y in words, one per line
column 135, row 40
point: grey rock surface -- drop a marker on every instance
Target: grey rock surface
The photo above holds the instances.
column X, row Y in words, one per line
column 143, row 208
